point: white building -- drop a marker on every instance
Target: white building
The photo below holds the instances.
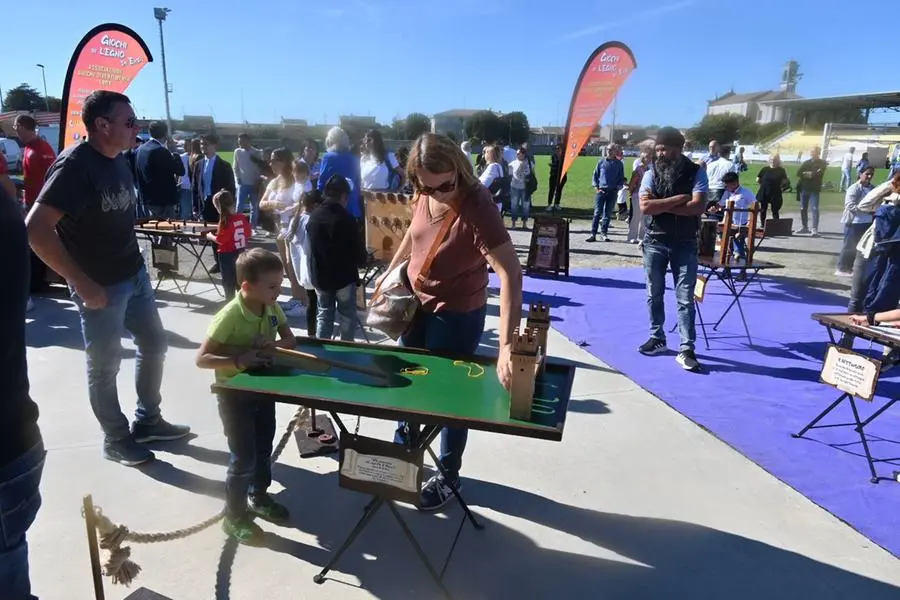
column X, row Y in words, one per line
column 759, row 106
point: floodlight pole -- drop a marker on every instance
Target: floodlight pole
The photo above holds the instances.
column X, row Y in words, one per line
column 160, row 15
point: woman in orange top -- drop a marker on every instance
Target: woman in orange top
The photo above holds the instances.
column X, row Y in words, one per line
column 454, row 294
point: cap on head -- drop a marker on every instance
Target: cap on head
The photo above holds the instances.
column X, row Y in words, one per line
column 669, row 136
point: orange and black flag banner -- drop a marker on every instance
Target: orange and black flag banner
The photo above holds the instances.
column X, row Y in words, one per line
column 603, row 74
column 109, row 57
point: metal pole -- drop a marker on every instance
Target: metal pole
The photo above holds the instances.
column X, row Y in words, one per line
column 162, row 46
column 46, row 97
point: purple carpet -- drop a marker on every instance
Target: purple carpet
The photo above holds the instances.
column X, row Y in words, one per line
column 752, row 398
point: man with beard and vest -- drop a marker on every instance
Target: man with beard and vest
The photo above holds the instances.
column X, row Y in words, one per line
column 672, row 198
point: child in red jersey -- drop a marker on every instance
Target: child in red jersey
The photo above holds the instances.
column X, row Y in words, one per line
column 231, row 238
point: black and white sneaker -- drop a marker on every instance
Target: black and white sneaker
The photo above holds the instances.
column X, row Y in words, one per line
column 436, row 493
column 688, row 361
column 652, row 347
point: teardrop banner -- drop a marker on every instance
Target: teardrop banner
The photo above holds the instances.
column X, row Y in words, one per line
column 108, row 57
column 603, row 74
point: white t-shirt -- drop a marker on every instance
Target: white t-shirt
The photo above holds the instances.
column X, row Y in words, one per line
column 300, row 252
column 847, row 162
column 716, row 170
column 374, row 175
column 743, row 198
column 491, row 172
column 519, row 172
column 286, row 204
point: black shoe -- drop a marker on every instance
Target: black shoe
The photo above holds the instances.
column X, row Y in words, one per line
column 127, row 452
column 215, row 269
column 652, row 346
column 161, row 431
column 688, row 361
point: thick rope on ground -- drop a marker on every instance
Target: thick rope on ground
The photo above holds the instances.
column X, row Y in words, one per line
column 118, row 564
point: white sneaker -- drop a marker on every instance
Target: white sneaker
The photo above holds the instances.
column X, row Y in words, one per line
column 29, row 306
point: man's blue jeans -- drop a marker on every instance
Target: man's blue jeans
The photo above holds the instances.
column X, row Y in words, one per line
column 604, row 205
column 130, row 306
column 185, row 204
column 682, row 258
column 845, row 179
column 20, row 500
column 454, row 333
column 344, row 300
column 809, row 201
column 248, row 198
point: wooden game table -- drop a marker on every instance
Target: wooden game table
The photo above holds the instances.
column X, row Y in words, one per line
column 430, row 389
column 166, row 237
column 736, row 276
column 841, row 323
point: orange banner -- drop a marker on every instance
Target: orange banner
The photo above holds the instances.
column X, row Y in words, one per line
column 602, row 76
column 109, row 57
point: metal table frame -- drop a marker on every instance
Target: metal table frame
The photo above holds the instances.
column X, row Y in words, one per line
column 195, row 244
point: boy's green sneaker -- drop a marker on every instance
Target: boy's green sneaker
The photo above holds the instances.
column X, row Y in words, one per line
column 243, row 529
column 264, row 507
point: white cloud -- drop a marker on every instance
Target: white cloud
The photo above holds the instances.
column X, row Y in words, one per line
column 636, row 19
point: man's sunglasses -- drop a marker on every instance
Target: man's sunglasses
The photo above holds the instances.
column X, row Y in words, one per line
column 444, row 188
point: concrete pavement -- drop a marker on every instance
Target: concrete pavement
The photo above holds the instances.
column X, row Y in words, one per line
column 636, row 502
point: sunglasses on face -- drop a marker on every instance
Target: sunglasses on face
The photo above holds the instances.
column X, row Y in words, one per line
column 444, row 188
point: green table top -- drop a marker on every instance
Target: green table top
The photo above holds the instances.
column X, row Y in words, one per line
column 465, row 394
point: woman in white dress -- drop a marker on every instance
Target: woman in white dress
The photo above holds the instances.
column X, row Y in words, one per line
column 379, row 169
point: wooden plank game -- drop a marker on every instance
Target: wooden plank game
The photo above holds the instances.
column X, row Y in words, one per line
column 388, row 216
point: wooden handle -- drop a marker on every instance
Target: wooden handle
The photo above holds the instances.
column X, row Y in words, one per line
column 331, row 362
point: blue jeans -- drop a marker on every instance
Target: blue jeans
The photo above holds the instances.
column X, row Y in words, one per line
column 604, row 205
column 809, row 200
column 155, row 211
column 248, row 198
column 20, row 499
column 344, row 300
column 845, row 179
column 131, row 305
column 228, row 270
column 249, row 426
column 519, row 204
column 450, row 332
column 185, row 204
column 682, row 257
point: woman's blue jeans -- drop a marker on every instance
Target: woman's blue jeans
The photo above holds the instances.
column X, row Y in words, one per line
column 448, row 332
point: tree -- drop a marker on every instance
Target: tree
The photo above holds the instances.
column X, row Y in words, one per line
column 486, row 126
column 517, row 128
column 724, row 128
column 25, row 97
column 415, row 124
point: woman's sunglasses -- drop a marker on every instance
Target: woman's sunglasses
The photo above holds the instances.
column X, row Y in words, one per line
column 444, row 188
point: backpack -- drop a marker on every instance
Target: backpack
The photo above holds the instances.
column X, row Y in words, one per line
column 531, row 184
column 500, row 186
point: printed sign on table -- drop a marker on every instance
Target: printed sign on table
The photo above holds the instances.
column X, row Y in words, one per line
column 850, row 372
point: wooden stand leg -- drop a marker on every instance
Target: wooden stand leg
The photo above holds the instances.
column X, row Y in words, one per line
column 751, row 233
column 93, row 547
column 725, row 244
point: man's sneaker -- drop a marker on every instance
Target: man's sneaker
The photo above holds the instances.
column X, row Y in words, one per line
column 161, row 431
column 243, row 530
column 436, row 493
column 688, row 361
column 127, row 452
column 802, row 230
column 263, row 506
column 605, row 238
column 591, row 239
column 652, row 346
column 840, row 273
column 814, row 233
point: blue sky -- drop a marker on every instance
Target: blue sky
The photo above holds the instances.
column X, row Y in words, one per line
column 317, row 60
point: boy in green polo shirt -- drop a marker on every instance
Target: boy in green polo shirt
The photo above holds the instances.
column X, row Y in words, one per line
column 242, row 335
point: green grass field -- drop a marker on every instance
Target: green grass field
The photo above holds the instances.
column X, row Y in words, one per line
column 578, row 196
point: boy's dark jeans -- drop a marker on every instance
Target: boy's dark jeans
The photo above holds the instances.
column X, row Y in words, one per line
column 249, row 428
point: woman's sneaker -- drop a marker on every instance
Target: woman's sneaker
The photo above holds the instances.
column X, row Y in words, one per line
column 437, row 492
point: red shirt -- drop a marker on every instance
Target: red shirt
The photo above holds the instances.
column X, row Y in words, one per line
column 39, row 156
column 4, row 166
column 235, row 235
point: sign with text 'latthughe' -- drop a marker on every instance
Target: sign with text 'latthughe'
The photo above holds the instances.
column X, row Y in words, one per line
column 108, row 57
column 601, row 77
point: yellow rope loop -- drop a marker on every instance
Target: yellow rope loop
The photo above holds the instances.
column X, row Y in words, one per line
column 474, row 369
column 119, row 565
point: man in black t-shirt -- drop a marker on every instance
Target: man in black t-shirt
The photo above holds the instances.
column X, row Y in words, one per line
column 21, row 448
column 82, row 226
column 811, row 174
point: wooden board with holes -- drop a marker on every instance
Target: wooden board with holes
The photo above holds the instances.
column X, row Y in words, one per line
column 388, row 215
